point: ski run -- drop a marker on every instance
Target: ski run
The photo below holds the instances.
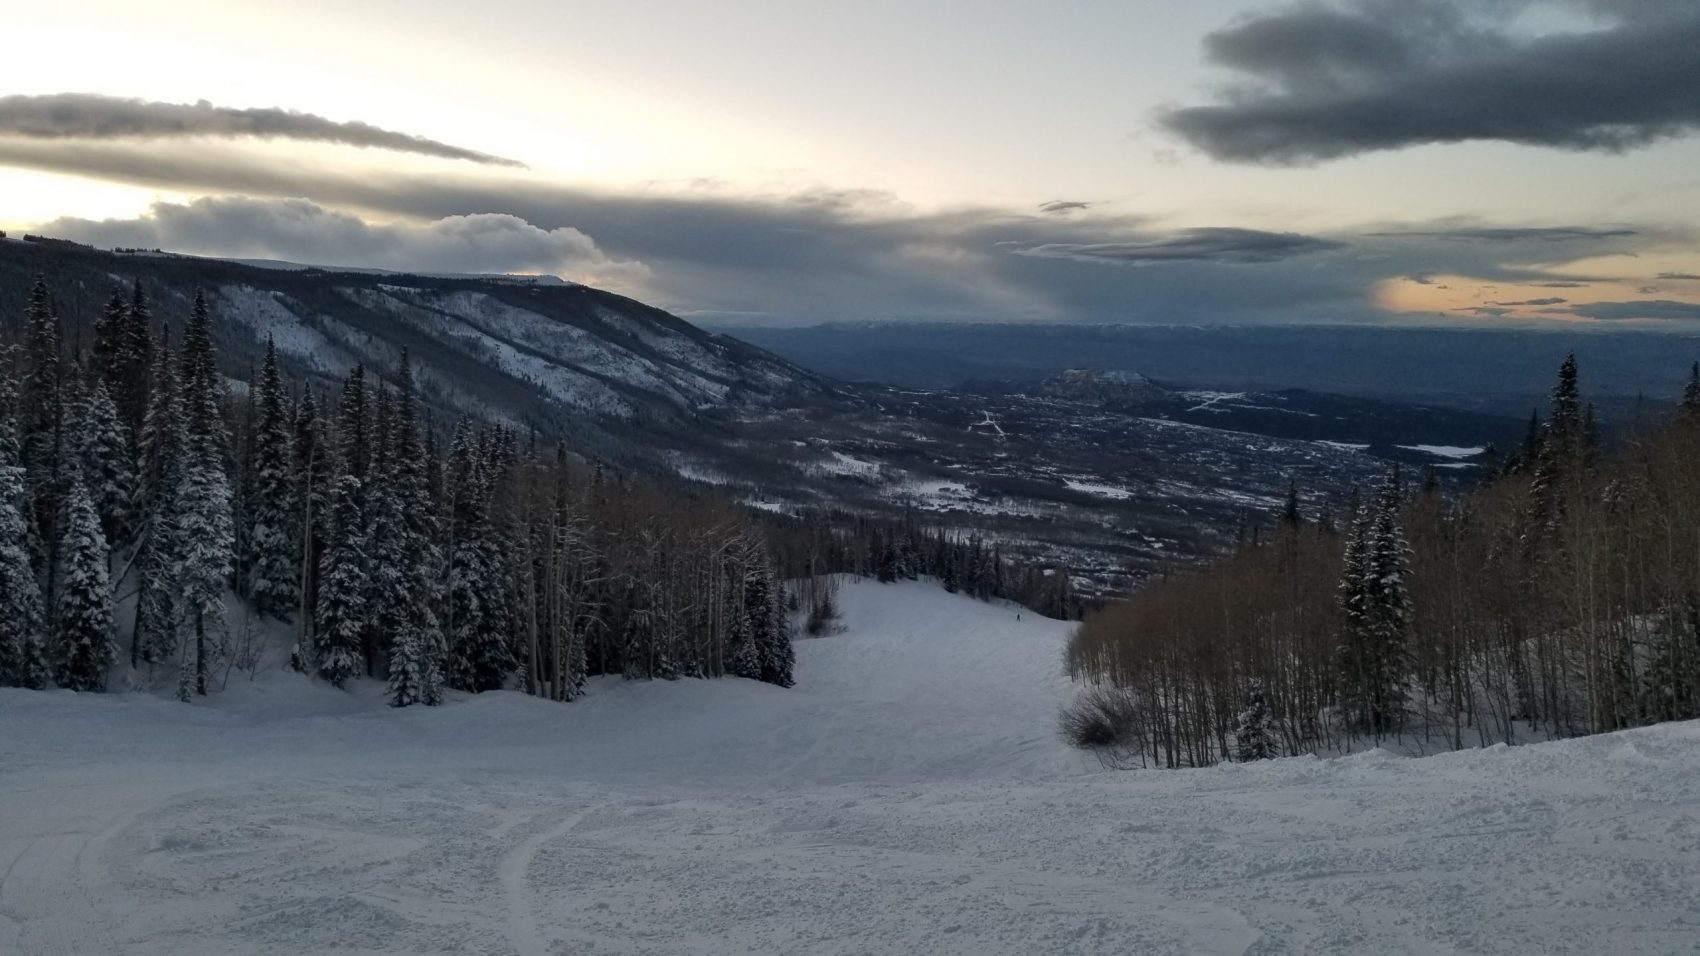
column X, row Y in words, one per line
column 910, row 795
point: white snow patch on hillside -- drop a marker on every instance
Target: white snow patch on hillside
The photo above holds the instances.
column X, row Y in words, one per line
column 1102, row 491
column 269, row 316
column 1446, row 451
column 909, row 796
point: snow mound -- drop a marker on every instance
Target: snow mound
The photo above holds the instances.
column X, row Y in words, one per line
column 910, row 795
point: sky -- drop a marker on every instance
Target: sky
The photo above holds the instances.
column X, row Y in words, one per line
column 1497, row 162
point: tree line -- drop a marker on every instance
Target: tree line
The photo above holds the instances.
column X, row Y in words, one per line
column 906, row 548
column 468, row 557
column 1561, row 597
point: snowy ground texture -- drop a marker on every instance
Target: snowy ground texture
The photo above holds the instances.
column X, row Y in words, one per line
column 910, row 795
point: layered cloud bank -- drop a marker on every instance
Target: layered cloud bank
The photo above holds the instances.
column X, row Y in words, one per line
column 302, row 231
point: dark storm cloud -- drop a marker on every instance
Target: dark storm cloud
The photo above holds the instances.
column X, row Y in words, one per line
column 91, row 116
column 1665, row 310
column 1239, row 246
column 1322, row 80
column 821, row 256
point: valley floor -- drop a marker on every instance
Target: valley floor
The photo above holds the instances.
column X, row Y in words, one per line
column 910, row 795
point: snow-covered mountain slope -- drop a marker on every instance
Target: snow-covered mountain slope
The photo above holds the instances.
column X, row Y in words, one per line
column 559, row 357
column 910, row 795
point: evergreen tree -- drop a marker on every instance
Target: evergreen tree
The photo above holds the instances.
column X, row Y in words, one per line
column 744, row 658
column 164, row 444
column 1691, row 394
column 1388, row 610
column 404, row 557
column 204, row 525
column 1354, row 655
column 479, row 655
column 1254, row 730
column 40, row 425
column 314, row 481
column 111, row 338
column 770, row 628
column 422, row 571
column 132, row 370
column 103, row 447
column 356, row 450
column 83, row 615
column 339, row 631
column 273, row 573
column 1290, row 514
column 23, row 658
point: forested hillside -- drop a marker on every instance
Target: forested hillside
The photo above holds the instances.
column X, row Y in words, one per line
column 1562, row 598
column 139, row 497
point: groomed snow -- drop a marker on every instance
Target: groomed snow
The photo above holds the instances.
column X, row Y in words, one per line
column 910, row 796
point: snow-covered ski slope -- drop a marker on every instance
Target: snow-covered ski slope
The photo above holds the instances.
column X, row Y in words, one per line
column 908, row 796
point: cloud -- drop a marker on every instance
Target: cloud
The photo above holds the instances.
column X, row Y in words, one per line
column 86, row 116
column 1678, row 276
column 1210, row 244
column 1322, row 80
column 1510, row 234
column 1665, row 310
column 1535, row 302
column 1057, row 206
column 301, row 231
column 855, row 255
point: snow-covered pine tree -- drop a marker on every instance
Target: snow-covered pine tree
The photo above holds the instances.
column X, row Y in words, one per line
column 40, row 418
column 83, row 613
column 1388, row 611
column 419, row 529
column 23, row 657
column 204, row 525
column 355, row 445
column 163, row 445
column 315, row 473
column 344, row 589
column 111, row 334
column 1254, row 729
column 403, row 557
column 103, row 449
column 1352, row 676
column 130, row 377
column 479, row 656
column 274, row 581
column 770, row 625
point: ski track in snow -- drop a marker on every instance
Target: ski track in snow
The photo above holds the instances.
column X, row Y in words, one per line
column 522, row 916
column 910, row 796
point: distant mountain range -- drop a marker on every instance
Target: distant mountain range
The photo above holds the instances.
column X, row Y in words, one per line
column 1501, row 371
column 564, row 359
